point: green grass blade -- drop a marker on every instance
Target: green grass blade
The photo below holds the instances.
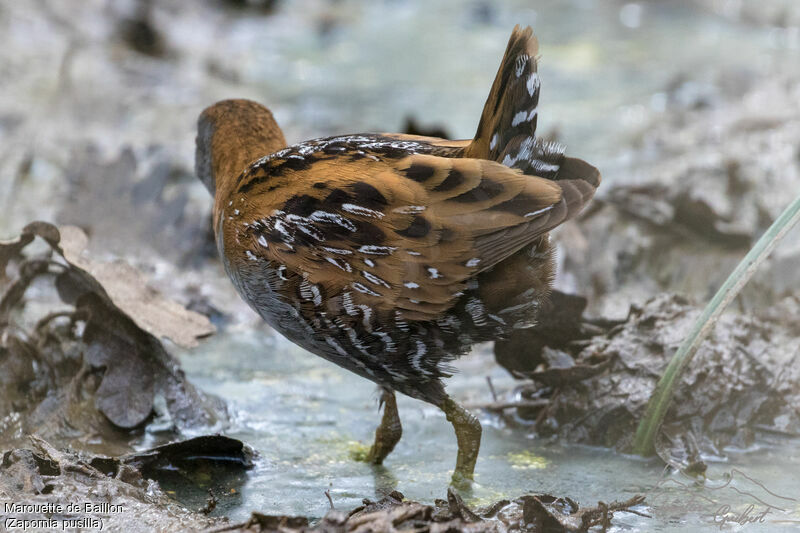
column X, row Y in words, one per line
column 644, row 441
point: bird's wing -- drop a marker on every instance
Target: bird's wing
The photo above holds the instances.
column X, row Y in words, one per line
column 402, row 234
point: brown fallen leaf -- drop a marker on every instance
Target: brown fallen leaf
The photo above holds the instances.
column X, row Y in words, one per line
column 128, row 289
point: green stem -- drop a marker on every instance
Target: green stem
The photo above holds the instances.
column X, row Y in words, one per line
column 644, row 441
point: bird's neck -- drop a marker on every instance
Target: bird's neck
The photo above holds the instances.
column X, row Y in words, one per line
column 232, row 135
column 238, row 143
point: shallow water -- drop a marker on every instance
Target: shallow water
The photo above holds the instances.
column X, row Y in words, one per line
column 306, row 417
column 348, row 66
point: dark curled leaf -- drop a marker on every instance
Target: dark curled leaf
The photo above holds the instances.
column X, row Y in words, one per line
column 209, row 447
column 135, row 361
column 195, row 468
column 46, row 231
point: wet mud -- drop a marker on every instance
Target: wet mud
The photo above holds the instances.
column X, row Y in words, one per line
column 743, row 384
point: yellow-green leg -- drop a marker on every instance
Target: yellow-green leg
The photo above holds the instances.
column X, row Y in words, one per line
column 389, row 431
column 468, row 435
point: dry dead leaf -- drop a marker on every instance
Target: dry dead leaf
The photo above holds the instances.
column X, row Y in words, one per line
column 129, row 291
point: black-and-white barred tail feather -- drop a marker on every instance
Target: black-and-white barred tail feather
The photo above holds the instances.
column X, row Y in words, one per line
column 507, row 130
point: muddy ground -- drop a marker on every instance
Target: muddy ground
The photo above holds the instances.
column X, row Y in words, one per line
column 696, row 200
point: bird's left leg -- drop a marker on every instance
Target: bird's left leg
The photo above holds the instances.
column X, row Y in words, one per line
column 389, row 431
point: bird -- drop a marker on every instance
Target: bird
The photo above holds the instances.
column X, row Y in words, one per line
column 392, row 254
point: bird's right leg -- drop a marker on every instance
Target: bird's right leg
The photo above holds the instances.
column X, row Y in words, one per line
column 389, row 431
column 468, row 435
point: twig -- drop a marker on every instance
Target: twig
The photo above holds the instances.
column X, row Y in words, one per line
column 330, row 500
column 501, row 406
column 491, row 388
column 625, row 506
column 637, row 513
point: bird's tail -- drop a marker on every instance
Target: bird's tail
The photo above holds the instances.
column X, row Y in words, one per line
column 511, row 110
column 507, row 129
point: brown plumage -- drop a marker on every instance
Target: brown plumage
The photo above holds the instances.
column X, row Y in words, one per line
column 392, row 254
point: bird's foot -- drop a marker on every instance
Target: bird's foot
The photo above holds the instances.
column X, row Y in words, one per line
column 462, row 483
